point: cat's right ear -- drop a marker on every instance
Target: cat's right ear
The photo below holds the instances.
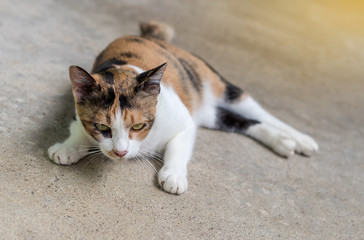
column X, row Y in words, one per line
column 149, row 80
column 82, row 83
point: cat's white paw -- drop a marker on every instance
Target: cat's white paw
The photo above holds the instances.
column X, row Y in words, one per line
column 305, row 144
column 64, row 154
column 284, row 145
column 172, row 181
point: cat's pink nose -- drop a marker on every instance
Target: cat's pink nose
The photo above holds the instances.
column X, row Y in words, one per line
column 120, row 153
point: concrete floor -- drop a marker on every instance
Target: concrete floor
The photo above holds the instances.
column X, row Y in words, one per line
column 303, row 60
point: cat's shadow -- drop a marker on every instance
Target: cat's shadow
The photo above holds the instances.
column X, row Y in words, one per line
column 54, row 128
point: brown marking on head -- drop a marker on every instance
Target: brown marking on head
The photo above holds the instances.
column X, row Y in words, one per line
column 138, row 116
column 98, row 99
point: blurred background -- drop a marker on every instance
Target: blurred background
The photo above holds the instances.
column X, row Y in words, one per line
column 302, row 60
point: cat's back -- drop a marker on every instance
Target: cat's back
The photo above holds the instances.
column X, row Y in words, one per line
column 185, row 72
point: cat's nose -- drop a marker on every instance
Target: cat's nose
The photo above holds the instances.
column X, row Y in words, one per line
column 120, row 153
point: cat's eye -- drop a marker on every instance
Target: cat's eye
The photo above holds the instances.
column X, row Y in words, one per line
column 138, row 126
column 102, row 127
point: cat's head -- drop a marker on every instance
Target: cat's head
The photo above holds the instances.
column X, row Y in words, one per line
column 117, row 107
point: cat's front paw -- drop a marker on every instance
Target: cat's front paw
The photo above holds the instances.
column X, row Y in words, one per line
column 305, row 144
column 172, row 181
column 64, row 154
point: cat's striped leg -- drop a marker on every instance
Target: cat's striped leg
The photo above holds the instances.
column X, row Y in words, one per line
column 234, row 99
column 73, row 149
column 247, row 107
column 277, row 140
column 214, row 113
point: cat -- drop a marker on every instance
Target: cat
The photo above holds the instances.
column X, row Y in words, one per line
column 146, row 97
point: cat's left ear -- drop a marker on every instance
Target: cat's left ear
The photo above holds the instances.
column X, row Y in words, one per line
column 149, row 81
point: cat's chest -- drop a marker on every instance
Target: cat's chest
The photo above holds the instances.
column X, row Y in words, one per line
column 171, row 116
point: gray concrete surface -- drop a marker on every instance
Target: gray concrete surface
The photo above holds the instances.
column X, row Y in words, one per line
column 303, row 60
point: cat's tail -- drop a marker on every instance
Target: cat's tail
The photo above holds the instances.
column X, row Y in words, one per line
column 156, row 30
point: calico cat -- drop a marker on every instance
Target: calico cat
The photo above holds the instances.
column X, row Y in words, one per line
column 145, row 96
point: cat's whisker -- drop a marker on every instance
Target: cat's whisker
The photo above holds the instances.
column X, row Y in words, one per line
column 104, row 158
column 144, row 159
column 156, row 160
column 96, row 157
column 94, row 151
column 157, row 157
column 86, row 146
column 151, row 165
column 92, row 157
column 140, row 162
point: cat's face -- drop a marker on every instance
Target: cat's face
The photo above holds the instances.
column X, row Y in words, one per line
column 117, row 107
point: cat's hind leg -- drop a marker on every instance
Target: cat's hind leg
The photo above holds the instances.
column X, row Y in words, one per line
column 73, row 149
column 277, row 140
column 215, row 115
column 245, row 106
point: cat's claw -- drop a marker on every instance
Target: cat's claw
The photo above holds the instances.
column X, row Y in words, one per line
column 63, row 154
column 171, row 181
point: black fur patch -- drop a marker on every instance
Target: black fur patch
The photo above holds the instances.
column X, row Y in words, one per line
column 232, row 92
column 232, row 122
column 108, row 100
column 124, row 102
column 129, row 55
column 108, row 64
column 134, row 39
column 108, row 77
column 192, row 74
column 111, row 93
column 102, row 101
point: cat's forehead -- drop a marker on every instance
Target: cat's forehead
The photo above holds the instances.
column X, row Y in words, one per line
column 121, row 79
column 115, row 89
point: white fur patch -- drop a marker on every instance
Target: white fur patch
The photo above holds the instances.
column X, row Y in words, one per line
column 73, row 149
column 173, row 132
column 278, row 141
column 120, row 136
column 206, row 114
column 137, row 69
column 120, row 139
column 249, row 108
